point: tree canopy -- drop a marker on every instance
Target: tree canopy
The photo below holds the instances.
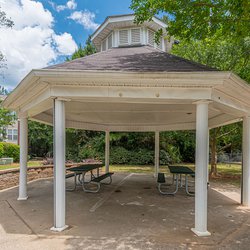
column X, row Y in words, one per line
column 198, row 19
column 4, row 22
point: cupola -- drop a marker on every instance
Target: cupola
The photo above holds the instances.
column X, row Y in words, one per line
column 122, row 31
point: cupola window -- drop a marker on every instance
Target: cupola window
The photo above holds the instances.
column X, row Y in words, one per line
column 135, row 36
column 123, row 37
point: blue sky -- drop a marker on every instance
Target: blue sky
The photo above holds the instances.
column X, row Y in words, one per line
column 46, row 31
column 101, row 9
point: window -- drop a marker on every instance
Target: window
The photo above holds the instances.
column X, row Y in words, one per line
column 12, row 134
column 15, row 135
column 9, row 134
column 135, row 36
column 123, row 37
column 110, row 42
column 104, row 45
column 159, row 46
column 151, row 37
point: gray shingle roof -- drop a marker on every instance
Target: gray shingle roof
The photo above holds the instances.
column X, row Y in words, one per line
column 138, row 59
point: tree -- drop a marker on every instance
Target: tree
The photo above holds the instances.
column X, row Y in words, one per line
column 87, row 50
column 198, row 19
column 4, row 22
column 40, row 139
column 218, row 52
column 224, row 139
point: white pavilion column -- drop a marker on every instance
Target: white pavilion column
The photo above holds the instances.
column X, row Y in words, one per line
column 59, row 166
column 246, row 162
column 157, row 152
column 107, row 151
column 201, row 156
column 23, row 158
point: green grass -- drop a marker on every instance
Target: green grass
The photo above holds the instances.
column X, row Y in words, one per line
column 226, row 169
column 16, row 165
column 229, row 173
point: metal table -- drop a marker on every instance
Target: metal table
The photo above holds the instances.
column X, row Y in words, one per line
column 81, row 171
column 178, row 171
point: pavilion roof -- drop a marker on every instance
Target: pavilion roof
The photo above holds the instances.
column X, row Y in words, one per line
column 134, row 59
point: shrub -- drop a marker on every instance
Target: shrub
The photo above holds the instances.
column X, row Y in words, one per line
column 1, row 149
column 142, row 157
column 119, row 155
column 11, row 151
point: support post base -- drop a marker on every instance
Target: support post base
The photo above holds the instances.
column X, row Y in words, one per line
column 199, row 233
column 59, row 229
column 22, row 198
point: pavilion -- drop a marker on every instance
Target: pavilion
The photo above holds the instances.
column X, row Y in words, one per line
column 132, row 84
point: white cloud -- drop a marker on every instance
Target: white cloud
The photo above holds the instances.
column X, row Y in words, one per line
column 85, row 18
column 70, row 5
column 32, row 42
column 65, row 43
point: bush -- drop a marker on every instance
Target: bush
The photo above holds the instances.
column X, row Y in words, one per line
column 1, row 149
column 119, row 155
column 10, row 151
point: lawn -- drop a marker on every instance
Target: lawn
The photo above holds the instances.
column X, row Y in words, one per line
column 229, row 173
column 16, row 165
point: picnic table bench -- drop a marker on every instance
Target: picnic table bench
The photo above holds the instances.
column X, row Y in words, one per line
column 81, row 171
column 177, row 172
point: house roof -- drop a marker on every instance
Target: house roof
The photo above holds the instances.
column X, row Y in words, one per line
column 134, row 59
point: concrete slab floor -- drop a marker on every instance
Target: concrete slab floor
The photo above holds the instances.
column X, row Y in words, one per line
column 129, row 214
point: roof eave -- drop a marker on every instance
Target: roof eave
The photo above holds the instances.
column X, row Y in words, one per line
column 27, row 80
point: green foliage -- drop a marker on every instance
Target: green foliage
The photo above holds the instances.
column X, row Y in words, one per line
column 198, row 19
column 223, row 54
column 4, row 22
column 40, row 137
column 88, row 49
column 1, row 150
column 10, row 150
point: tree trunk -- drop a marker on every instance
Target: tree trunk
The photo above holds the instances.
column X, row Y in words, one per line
column 213, row 147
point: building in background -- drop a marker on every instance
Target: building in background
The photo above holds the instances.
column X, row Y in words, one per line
column 12, row 135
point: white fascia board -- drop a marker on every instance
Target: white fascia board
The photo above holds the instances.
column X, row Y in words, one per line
column 230, row 101
column 159, row 22
column 94, row 77
column 111, row 20
column 21, row 88
column 129, row 92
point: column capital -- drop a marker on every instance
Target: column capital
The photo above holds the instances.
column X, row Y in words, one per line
column 204, row 101
column 22, row 115
column 62, row 99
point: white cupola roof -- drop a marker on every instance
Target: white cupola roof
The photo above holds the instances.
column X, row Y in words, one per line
column 121, row 31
